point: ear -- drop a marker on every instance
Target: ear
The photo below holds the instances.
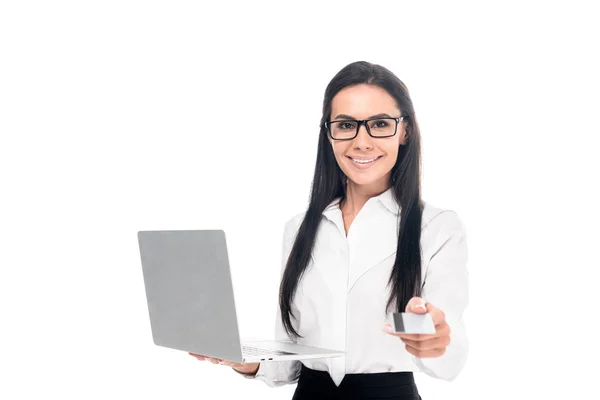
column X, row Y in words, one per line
column 406, row 130
column 403, row 141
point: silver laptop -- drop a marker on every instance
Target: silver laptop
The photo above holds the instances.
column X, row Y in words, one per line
column 191, row 303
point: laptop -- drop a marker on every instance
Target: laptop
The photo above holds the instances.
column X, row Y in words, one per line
column 191, row 303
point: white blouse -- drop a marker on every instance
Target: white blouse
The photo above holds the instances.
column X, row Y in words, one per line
column 340, row 301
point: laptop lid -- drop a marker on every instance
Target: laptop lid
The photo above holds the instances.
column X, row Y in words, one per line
column 189, row 292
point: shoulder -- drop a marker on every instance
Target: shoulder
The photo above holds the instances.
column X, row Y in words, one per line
column 443, row 229
column 292, row 225
column 440, row 220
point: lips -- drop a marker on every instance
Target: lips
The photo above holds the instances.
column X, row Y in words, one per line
column 363, row 163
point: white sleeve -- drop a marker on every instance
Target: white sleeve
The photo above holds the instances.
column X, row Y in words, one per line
column 446, row 287
column 278, row 373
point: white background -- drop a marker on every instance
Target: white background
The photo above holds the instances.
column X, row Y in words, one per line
column 119, row 116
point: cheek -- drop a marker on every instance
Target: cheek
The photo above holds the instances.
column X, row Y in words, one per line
column 392, row 153
column 391, row 160
column 339, row 149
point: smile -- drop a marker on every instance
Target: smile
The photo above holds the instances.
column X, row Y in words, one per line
column 364, row 163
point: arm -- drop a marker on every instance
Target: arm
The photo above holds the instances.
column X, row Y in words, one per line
column 446, row 287
column 278, row 373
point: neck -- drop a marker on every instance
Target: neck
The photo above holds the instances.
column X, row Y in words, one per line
column 358, row 195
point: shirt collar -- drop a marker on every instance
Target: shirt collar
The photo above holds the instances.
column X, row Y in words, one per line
column 386, row 198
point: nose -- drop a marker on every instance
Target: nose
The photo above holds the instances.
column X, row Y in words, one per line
column 362, row 141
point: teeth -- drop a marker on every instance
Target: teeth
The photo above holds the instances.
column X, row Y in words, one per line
column 364, row 161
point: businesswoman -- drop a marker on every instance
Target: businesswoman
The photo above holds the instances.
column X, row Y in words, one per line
column 366, row 247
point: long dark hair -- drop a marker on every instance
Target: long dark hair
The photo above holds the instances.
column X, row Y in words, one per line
column 329, row 184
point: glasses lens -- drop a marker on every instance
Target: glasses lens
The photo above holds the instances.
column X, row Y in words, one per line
column 382, row 127
column 343, row 129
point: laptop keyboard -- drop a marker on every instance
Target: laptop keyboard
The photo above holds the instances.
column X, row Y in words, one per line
column 257, row 351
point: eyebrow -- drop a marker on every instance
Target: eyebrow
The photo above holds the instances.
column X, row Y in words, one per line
column 344, row 116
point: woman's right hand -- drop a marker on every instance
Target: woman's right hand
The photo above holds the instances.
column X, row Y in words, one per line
column 245, row 368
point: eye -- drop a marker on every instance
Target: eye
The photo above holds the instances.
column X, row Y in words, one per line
column 346, row 125
column 380, row 123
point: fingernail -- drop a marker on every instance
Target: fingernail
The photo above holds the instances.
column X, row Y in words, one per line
column 419, row 306
column 387, row 328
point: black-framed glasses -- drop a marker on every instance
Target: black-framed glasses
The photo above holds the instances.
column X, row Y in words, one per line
column 347, row 129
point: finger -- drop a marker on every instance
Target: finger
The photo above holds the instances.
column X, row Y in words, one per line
column 416, row 305
column 433, row 344
column 387, row 328
column 426, row 353
column 417, row 337
column 437, row 315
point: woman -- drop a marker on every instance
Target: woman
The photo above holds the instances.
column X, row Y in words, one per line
column 366, row 247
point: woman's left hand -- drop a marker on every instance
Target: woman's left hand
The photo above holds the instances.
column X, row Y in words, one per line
column 420, row 345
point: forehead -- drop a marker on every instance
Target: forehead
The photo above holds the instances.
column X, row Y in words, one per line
column 362, row 101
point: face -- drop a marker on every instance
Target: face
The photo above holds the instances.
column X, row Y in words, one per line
column 362, row 102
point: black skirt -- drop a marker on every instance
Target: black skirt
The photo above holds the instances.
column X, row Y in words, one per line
column 314, row 385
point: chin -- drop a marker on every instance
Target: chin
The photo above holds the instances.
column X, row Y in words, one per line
column 364, row 180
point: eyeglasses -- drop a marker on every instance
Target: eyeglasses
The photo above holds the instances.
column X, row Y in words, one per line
column 347, row 129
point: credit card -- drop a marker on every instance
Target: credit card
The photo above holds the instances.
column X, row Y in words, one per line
column 413, row 323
